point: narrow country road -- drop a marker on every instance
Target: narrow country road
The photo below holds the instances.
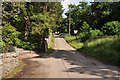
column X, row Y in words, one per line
column 66, row 62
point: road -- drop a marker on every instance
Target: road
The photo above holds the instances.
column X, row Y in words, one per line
column 66, row 62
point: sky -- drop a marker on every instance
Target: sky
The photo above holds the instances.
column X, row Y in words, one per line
column 65, row 4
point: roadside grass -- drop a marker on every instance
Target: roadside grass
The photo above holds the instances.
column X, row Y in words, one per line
column 15, row 71
column 73, row 42
column 105, row 49
column 51, row 46
column 62, row 35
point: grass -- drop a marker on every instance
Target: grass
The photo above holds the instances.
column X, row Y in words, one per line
column 51, row 46
column 105, row 49
column 15, row 71
column 73, row 42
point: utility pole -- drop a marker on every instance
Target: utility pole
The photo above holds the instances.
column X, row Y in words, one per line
column 69, row 19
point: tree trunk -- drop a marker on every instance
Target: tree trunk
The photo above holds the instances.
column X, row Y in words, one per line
column 27, row 21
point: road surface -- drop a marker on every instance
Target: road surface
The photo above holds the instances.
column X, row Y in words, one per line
column 67, row 63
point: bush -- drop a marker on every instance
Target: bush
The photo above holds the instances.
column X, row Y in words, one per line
column 19, row 43
column 76, row 44
column 88, row 33
column 94, row 34
column 85, row 27
column 7, row 48
column 105, row 50
column 34, row 42
column 9, row 37
column 69, row 38
column 111, row 28
column 73, row 42
column 116, row 45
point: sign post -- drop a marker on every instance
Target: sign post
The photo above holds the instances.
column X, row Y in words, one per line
column 75, row 32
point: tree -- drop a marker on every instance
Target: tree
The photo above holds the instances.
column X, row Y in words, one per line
column 33, row 21
column 96, row 14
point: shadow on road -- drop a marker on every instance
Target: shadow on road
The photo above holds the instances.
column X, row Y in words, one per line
column 82, row 64
column 71, row 61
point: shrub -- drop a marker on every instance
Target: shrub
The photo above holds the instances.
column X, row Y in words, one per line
column 84, row 32
column 34, row 42
column 105, row 50
column 88, row 33
column 19, row 43
column 9, row 37
column 116, row 45
column 76, row 44
column 94, row 34
column 85, row 27
column 111, row 28
column 69, row 38
column 73, row 42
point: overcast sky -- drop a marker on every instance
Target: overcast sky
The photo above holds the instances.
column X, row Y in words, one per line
column 65, row 4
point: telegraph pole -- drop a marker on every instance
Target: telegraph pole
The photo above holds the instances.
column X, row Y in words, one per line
column 69, row 19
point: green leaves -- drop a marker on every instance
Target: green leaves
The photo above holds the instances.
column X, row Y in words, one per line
column 9, row 37
column 28, row 24
column 87, row 33
column 111, row 28
column 85, row 27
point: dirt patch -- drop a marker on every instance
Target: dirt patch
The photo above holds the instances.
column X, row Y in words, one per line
column 32, row 69
column 28, row 68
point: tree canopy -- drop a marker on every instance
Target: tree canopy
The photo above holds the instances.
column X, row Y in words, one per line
column 96, row 15
column 29, row 23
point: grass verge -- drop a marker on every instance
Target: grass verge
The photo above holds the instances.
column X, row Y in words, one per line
column 105, row 49
column 73, row 42
column 15, row 71
column 51, row 45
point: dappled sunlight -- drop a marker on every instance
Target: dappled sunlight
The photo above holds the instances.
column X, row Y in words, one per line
column 76, row 63
column 66, row 62
column 81, row 64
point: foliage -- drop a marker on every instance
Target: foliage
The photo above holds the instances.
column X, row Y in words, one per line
column 9, row 33
column 111, row 28
column 39, row 28
column 105, row 49
column 87, row 33
column 96, row 15
column 95, row 22
column 73, row 42
column 69, row 38
column 9, row 37
column 33, row 22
